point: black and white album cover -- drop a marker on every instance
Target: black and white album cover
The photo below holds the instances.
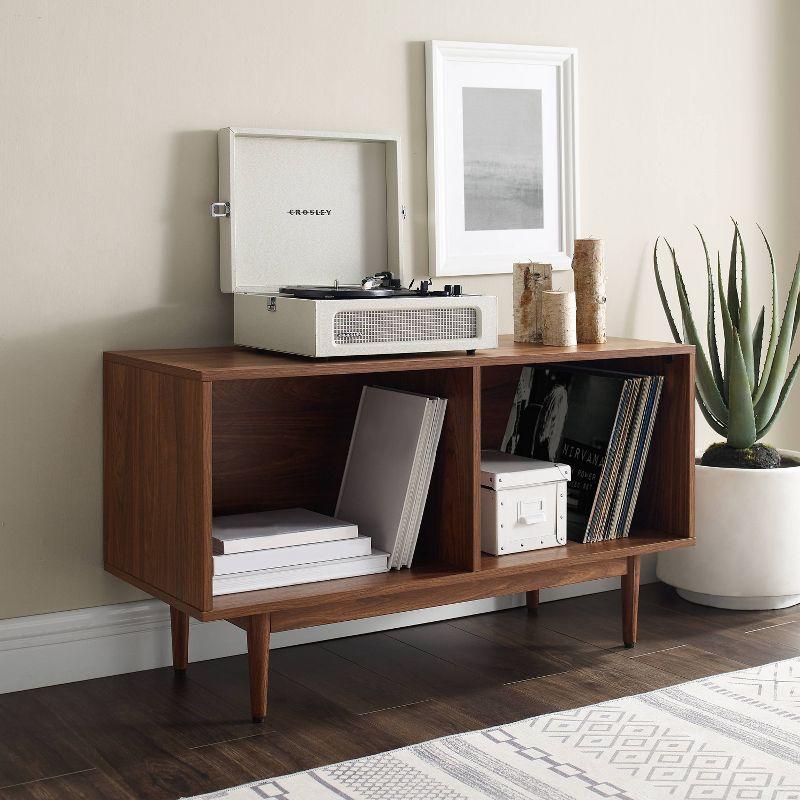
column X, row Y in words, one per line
column 566, row 416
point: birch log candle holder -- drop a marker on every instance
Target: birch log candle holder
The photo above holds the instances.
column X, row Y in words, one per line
column 590, row 290
column 558, row 319
column 530, row 280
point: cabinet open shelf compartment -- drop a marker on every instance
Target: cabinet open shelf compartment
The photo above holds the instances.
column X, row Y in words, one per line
column 284, row 443
column 193, row 433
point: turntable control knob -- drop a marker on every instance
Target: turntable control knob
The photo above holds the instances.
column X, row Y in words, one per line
column 448, row 289
column 457, row 290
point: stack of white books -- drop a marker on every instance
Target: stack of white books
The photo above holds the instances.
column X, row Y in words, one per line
column 268, row 549
column 389, row 467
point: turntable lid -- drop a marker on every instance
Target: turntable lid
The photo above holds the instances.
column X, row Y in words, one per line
column 306, row 208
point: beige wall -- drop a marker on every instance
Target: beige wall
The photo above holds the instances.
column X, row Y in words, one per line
column 108, row 161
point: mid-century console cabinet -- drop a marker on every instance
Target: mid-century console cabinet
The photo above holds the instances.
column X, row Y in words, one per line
column 189, row 434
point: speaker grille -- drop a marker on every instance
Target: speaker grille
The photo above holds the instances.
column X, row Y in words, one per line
column 404, row 325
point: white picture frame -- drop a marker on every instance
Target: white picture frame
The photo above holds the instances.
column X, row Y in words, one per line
column 497, row 196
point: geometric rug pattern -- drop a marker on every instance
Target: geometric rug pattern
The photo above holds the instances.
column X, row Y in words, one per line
column 728, row 737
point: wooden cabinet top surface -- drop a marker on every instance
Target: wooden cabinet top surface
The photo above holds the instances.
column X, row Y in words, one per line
column 239, row 363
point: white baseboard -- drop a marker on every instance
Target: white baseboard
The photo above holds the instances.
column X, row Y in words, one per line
column 67, row 646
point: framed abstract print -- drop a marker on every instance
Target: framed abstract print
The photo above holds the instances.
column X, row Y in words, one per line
column 502, row 160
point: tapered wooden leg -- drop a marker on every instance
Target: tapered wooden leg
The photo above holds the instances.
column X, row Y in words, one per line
column 630, row 602
column 179, row 623
column 532, row 601
column 258, row 660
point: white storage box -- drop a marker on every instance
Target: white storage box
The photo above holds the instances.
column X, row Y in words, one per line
column 523, row 503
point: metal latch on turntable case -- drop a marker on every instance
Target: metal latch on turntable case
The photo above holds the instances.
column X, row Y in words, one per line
column 220, row 209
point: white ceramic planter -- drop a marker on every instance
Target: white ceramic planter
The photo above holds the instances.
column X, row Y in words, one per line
column 747, row 554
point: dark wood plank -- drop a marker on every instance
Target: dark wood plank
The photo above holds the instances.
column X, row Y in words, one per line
column 290, row 703
column 608, row 678
column 496, row 660
column 34, row 743
column 426, row 720
column 746, row 637
column 142, row 731
column 399, row 663
column 157, row 480
column 518, row 629
column 597, row 623
column 688, row 663
column 752, row 649
column 323, row 728
column 92, row 784
column 166, row 777
column 260, row 758
column 148, row 713
column 498, row 705
column 239, row 363
column 354, row 688
column 785, row 634
column 749, row 638
column 659, row 629
column 666, row 596
column 314, row 745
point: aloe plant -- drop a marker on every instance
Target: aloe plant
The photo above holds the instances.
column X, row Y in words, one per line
column 741, row 388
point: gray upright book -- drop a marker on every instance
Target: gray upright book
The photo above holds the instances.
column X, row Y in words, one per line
column 389, row 467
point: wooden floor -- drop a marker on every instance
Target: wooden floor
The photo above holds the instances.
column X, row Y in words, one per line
column 148, row 735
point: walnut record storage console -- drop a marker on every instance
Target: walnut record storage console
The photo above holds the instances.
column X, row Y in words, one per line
column 189, row 434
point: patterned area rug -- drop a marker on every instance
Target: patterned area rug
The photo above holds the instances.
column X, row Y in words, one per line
column 728, row 737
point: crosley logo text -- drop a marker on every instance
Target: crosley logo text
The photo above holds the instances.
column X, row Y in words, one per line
column 312, row 211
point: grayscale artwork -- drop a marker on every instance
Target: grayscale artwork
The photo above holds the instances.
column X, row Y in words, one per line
column 502, row 159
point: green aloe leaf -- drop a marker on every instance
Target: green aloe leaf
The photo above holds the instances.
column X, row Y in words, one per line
column 787, row 387
column 796, row 319
column 727, row 330
column 745, row 325
column 774, row 326
column 663, row 295
column 713, row 349
column 742, row 419
column 705, row 378
column 758, row 340
column 766, row 405
column 733, row 293
column 796, row 322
